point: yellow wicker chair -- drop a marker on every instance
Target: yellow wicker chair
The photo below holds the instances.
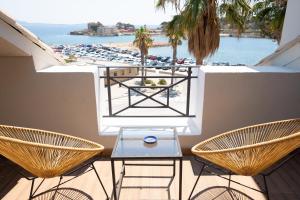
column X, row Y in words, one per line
column 46, row 154
column 251, row 150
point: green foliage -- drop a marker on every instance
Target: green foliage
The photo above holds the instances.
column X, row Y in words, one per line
column 200, row 24
column 199, row 21
column 237, row 13
column 162, row 4
column 70, row 59
column 153, row 85
column 143, row 40
column 269, row 16
column 148, row 81
column 162, row 82
column 174, row 30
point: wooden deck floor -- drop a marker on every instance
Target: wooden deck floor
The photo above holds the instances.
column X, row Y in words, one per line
column 284, row 184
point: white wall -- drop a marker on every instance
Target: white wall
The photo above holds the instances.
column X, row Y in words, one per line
column 235, row 97
column 231, row 97
column 291, row 28
column 289, row 57
column 63, row 102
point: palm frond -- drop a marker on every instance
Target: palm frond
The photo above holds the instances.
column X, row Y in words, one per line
column 237, row 13
column 269, row 16
column 201, row 23
column 161, row 4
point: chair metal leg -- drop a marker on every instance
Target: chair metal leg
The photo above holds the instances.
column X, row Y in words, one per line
column 31, row 189
column 196, row 181
column 100, row 181
column 60, row 178
column 229, row 180
column 174, row 168
column 123, row 163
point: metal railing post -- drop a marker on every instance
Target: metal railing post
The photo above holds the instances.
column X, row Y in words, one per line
column 108, row 91
column 129, row 97
column 188, row 92
column 168, row 97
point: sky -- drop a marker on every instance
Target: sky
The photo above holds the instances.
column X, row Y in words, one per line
column 108, row 12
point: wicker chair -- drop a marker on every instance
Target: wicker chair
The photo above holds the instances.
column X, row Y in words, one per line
column 251, row 150
column 47, row 154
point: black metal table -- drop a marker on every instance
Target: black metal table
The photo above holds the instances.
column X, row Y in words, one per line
column 130, row 146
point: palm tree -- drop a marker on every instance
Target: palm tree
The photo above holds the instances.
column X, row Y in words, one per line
column 269, row 16
column 203, row 29
column 174, row 31
column 143, row 41
column 201, row 24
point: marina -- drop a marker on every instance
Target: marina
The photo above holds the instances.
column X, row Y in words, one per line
column 104, row 53
column 232, row 50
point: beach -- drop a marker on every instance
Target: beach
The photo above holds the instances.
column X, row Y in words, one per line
column 131, row 47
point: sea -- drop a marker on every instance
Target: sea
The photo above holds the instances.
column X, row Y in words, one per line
column 232, row 50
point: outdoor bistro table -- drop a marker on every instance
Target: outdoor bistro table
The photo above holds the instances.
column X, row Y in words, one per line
column 130, row 145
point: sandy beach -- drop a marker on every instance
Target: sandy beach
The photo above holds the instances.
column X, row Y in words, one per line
column 129, row 45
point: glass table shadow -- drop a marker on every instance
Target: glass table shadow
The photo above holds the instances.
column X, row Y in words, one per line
column 63, row 194
column 220, row 193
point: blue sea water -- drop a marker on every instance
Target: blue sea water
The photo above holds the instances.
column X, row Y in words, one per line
column 247, row 51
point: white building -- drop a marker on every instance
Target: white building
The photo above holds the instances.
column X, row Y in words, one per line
column 106, row 31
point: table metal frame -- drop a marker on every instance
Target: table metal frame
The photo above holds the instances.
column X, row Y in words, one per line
column 117, row 185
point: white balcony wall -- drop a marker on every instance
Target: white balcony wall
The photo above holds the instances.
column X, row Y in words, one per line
column 240, row 96
column 65, row 99
column 56, row 101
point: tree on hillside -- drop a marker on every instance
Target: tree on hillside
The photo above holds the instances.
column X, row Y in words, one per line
column 143, row 41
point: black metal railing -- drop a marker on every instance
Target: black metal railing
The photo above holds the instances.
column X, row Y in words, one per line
column 111, row 78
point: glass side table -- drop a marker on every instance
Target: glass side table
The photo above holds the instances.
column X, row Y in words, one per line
column 130, row 145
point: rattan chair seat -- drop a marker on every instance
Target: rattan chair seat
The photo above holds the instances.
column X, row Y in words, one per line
column 250, row 150
column 43, row 153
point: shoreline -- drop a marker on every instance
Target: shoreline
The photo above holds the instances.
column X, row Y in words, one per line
column 243, row 35
column 111, row 56
column 131, row 47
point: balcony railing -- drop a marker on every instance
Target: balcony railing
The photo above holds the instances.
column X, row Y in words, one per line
column 123, row 76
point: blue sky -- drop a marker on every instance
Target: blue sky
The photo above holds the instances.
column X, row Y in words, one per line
column 81, row 11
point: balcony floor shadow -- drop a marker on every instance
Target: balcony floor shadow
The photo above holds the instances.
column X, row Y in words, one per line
column 284, row 183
